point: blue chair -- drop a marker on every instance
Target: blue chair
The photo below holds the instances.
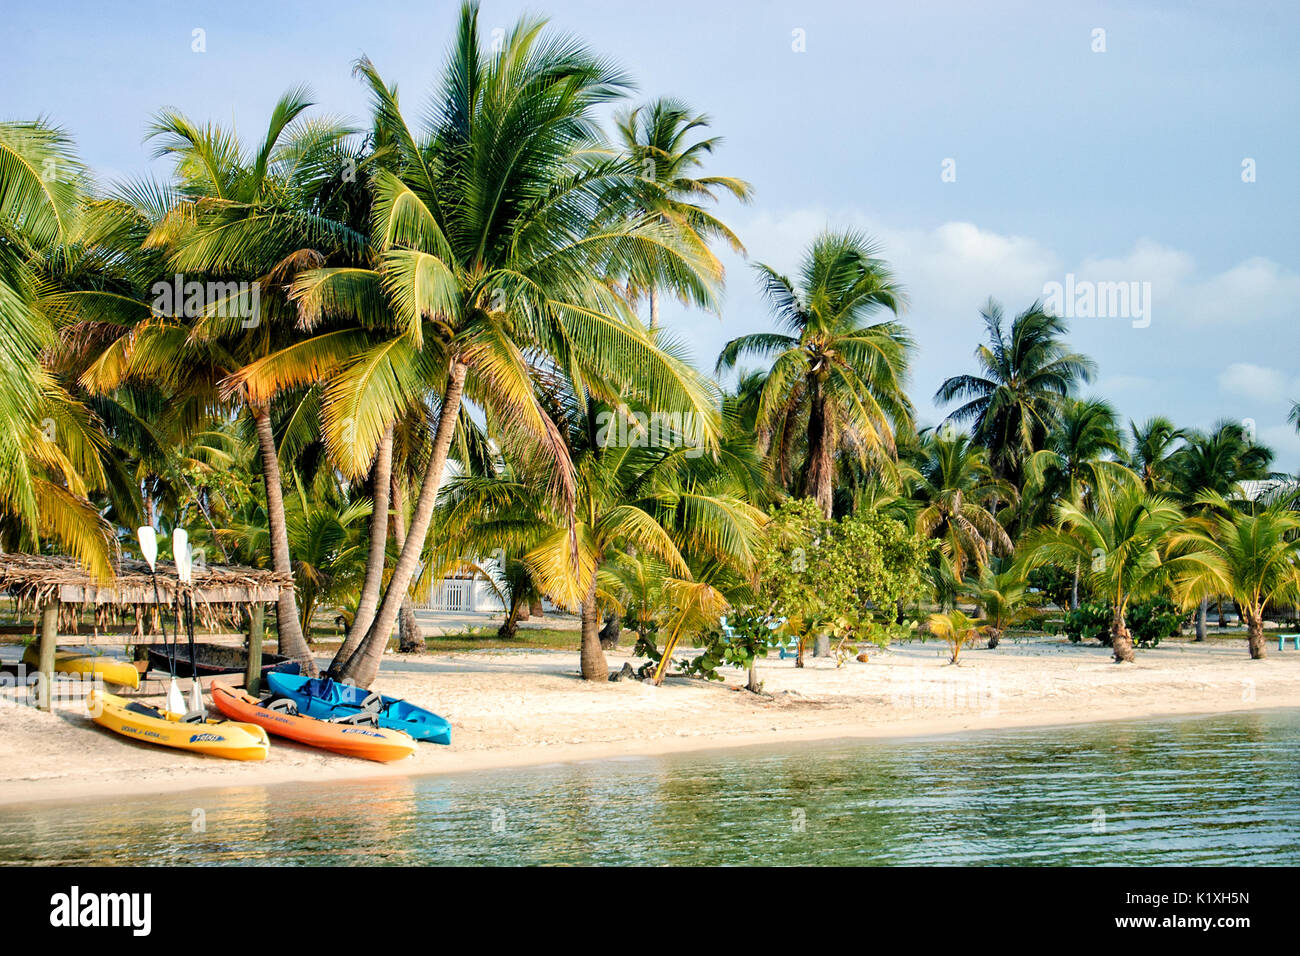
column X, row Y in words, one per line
column 1281, row 641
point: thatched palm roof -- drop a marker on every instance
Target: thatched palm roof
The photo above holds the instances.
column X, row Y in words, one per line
column 218, row 592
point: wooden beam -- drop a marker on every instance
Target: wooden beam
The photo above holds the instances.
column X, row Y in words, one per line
column 49, row 641
column 253, row 673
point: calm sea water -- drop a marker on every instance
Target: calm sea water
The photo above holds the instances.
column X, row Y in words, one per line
column 1220, row 790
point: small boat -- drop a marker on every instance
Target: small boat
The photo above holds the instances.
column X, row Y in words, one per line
column 217, row 738
column 113, row 671
column 356, row 736
column 212, row 659
column 325, row 698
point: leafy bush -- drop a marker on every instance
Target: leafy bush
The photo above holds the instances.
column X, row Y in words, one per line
column 1148, row 621
column 1153, row 619
column 1089, row 621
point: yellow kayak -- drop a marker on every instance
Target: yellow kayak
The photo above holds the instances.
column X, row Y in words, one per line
column 67, row 662
column 217, row 738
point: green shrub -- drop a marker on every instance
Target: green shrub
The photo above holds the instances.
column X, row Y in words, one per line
column 1089, row 621
column 1153, row 619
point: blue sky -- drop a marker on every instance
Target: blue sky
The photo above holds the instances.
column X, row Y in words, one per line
column 1117, row 165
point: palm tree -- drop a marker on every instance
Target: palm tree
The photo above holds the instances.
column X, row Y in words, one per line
column 656, row 137
column 1121, row 541
column 1015, row 400
column 1152, row 449
column 1253, row 558
column 954, row 490
column 1072, row 464
column 832, row 368
column 50, row 447
column 1003, row 600
column 956, row 628
column 669, row 506
column 1214, row 463
column 503, row 234
column 240, row 215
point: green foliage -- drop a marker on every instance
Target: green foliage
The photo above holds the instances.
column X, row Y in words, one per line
column 746, row 638
column 840, row 579
column 1153, row 619
column 1088, row 621
column 1149, row 620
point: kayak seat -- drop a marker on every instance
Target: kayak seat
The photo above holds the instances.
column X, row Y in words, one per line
column 282, row 705
column 136, row 707
column 195, row 717
column 363, row 719
column 373, row 704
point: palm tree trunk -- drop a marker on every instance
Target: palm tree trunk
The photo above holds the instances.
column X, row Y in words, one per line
column 1074, row 589
column 410, row 637
column 654, row 308
column 1121, row 642
column 291, row 642
column 1255, row 634
column 820, row 480
column 363, row 666
column 594, row 665
column 1201, row 613
column 380, row 475
column 510, row 626
column 752, row 685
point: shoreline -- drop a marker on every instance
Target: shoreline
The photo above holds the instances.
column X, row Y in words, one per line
column 497, row 700
column 77, row 792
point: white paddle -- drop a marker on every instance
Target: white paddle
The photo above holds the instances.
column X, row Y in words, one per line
column 184, row 571
column 149, row 548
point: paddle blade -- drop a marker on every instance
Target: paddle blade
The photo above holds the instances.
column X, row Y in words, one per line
column 196, row 696
column 181, row 549
column 148, row 544
column 175, row 700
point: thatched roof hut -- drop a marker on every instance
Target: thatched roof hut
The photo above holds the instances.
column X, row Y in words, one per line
column 58, row 589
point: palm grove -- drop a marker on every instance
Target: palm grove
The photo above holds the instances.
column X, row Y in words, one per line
column 389, row 352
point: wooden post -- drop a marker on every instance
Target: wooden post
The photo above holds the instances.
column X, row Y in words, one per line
column 253, row 673
column 49, row 641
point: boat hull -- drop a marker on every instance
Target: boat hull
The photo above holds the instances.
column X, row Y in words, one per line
column 212, row 660
column 215, row 738
column 325, row 698
column 369, row 743
column 122, row 673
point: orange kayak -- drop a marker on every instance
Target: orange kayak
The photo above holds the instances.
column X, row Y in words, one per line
column 353, row 740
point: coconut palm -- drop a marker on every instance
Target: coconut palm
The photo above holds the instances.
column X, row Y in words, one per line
column 656, row 136
column 1002, row 598
column 1151, row 451
column 505, row 234
column 50, row 447
column 1214, row 463
column 1073, row 463
column 956, row 628
column 1253, row 558
column 658, row 499
column 247, row 218
column 1015, row 399
column 1121, row 541
column 954, row 490
column 834, row 375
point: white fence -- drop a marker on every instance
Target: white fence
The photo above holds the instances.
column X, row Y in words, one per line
column 463, row 596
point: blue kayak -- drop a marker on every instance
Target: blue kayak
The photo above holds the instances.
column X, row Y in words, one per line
column 330, row 700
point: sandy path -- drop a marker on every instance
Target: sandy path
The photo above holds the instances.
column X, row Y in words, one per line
column 528, row 707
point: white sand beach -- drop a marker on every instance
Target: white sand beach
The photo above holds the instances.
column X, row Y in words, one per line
column 518, row 708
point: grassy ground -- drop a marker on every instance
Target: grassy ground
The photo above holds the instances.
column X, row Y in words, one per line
column 485, row 638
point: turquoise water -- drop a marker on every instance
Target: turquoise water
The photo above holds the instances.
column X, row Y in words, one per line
column 1218, row 790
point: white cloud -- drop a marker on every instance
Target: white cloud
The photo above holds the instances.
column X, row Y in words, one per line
column 1258, row 382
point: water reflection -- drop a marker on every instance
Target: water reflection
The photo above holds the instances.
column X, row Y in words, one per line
column 1205, row 790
